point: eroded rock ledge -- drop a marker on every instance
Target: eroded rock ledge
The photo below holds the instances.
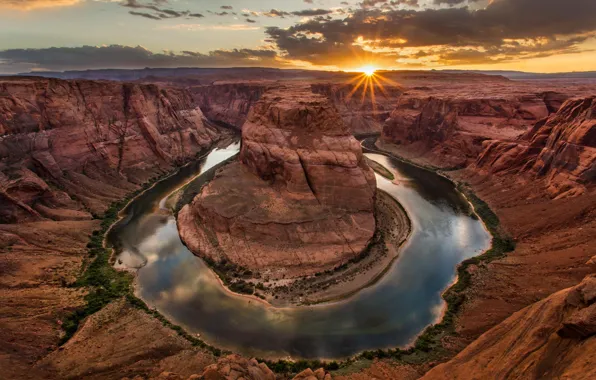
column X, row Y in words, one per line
column 300, row 199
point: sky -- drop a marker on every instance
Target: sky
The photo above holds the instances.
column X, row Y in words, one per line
column 527, row 35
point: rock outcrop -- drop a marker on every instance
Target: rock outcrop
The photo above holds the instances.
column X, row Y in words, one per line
column 449, row 132
column 553, row 338
column 72, row 147
column 299, row 200
column 562, row 149
column 229, row 103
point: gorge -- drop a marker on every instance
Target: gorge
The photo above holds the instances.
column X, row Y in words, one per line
column 71, row 148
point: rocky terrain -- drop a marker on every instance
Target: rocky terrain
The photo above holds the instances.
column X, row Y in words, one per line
column 300, row 199
column 561, row 148
column 554, row 338
column 229, row 103
column 70, row 148
column 449, row 132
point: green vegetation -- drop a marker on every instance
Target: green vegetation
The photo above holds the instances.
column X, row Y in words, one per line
column 106, row 284
column 380, row 169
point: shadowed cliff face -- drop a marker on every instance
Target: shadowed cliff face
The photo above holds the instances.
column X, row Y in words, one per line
column 228, row 103
column 73, row 147
column 299, row 200
column 561, row 149
column 449, row 132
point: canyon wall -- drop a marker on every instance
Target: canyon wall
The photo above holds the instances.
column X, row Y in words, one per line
column 300, row 198
column 449, row 132
column 562, row 149
column 228, row 103
column 70, row 148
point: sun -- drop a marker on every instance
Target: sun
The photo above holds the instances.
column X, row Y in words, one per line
column 369, row 71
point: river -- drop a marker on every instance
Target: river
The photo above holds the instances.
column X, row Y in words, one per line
column 390, row 313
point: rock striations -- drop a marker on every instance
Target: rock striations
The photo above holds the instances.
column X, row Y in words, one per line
column 299, row 200
column 561, row 148
column 69, row 147
column 448, row 132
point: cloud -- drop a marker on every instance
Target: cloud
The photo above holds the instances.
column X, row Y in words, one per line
column 119, row 56
column 197, row 27
column 27, row 5
column 154, row 11
column 503, row 30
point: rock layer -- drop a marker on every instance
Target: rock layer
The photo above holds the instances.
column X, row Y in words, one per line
column 449, row 132
column 299, row 200
column 228, row 103
column 562, row 149
column 95, row 141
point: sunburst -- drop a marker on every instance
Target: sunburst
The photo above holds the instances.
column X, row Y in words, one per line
column 370, row 80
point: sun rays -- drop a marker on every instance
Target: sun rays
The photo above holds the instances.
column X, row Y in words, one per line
column 369, row 80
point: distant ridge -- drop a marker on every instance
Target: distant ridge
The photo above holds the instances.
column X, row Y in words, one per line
column 274, row 73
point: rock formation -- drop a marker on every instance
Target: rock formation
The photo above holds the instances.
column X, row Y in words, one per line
column 449, row 132
column 228, row 103
column 89, row 141
column 300, row 199
column 562, row 149
column 553, row 338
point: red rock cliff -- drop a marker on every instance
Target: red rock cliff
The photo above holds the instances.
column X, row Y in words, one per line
column 228, row 103
column 449, row 132
column 94, row 141
column 562, row 149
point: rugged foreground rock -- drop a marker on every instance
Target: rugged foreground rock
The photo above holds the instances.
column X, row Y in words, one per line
column 553, row 338
column 299, row 200
column 561, row 148
column 72, row 147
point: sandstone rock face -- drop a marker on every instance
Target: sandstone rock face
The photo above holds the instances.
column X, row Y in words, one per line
column 95, row 141
column 229, row 103
column 450, row 131
column 300, row 199
column 562, row 149
column 553, row 338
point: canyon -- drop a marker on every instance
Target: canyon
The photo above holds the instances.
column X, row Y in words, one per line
column 69, row 148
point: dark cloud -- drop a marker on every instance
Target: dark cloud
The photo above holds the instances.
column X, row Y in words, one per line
column 497, row 31
column 118, row 56
column 227, row 7
column 159, row 12
column 250, row 21
column 312, row 12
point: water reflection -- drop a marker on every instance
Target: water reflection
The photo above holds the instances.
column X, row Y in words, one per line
column 388, row 314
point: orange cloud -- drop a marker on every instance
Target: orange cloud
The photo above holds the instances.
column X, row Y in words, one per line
column 27, row 5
